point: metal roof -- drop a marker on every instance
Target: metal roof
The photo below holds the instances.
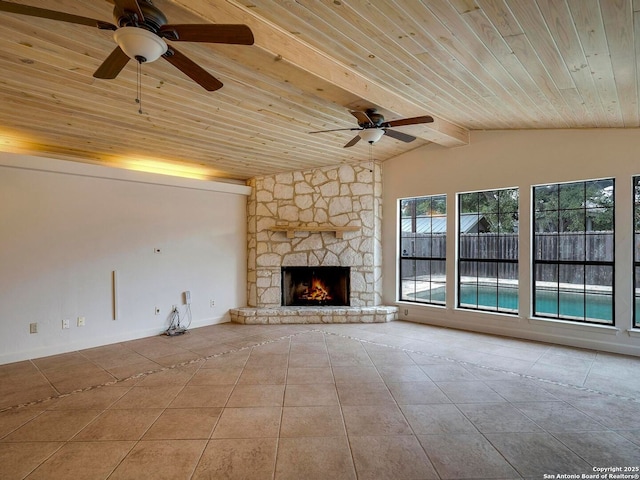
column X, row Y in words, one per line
column 434, row 225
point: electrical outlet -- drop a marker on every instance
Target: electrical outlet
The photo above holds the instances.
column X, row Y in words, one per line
column 212, row 303
column 157, row 310
column 65, row 323
column 406, row 312
column 33, row 328
column 81, row 321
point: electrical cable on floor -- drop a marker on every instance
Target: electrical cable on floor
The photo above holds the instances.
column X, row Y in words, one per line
column 174, row 324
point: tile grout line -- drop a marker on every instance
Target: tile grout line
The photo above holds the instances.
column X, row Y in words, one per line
column 319, row 330
column 404, row 416
column 200, row 363
column 284, row 394
column 222, row 409
column 475, row 426
column 149, row 372
column 344, row 423
column 494, row 369
column 135, row 442
column 586, row 375
column 539, row 358
column 35, row 365
column 139, row 440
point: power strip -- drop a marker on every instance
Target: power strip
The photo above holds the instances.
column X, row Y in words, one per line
column 172, row 332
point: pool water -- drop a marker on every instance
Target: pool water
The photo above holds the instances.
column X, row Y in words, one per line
column 593, row 306
column 571, row 304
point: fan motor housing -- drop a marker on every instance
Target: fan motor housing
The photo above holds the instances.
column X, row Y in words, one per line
column 376, row 118
column 153, row 17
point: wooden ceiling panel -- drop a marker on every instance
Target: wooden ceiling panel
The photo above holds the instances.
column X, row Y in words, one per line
column 471, row 64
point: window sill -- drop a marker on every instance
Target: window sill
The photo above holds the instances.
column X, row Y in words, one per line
column 502, row 315
column 420, row 304
column 633, row 332
column 606, row 329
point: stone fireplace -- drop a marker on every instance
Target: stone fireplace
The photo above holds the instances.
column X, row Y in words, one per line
column 327, row 217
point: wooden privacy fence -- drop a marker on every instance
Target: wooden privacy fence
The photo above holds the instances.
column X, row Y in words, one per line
column 474, row 248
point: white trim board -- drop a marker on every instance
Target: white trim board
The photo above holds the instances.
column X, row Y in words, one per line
column 28, row 162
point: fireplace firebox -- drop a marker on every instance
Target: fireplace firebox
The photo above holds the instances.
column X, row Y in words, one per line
column 315, row 286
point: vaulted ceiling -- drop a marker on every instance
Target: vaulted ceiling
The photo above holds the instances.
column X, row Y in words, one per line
column 471, row 64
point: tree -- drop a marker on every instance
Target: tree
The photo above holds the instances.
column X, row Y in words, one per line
column 574, row 207
column 499, row 207
column 424, row 206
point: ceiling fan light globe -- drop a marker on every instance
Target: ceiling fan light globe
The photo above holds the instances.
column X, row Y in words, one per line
column 371, row 135
column 139, row 43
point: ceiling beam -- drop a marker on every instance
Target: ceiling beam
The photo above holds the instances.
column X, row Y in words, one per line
column 290, row 50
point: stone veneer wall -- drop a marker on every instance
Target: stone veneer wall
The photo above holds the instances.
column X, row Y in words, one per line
column 348, row 195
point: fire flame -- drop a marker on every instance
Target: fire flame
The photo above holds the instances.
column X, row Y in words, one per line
column 318, row 292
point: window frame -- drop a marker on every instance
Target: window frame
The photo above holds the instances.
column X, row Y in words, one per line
column 559, row 262
column 635, row 192
column 497, row 260
column 415, row 258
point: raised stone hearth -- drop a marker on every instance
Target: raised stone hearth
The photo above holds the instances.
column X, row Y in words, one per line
column 286, row 315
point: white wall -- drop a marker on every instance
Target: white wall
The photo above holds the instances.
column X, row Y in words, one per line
column 519, row 159
column 65, row 227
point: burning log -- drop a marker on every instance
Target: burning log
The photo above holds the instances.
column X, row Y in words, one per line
column 317, row 293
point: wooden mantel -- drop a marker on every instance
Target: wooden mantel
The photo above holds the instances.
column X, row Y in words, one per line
column 292, row 229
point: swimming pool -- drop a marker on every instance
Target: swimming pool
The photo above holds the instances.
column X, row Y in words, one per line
column 592, row 306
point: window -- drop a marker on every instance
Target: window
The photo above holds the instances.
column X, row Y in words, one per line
column 573, row 230
column 488, row 250
column 423, row 239
column 636, row 251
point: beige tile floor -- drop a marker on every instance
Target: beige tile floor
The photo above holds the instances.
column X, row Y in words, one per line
column 376, row 401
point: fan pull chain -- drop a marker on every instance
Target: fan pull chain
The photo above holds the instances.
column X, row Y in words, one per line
column 139, row 88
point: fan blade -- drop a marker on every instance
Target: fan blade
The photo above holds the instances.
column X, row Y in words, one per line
column 362, row 117
column 130, row 6
column 399, row 135
column 336, row 130
column 50, row 14
column 192, row 70
column 352, row 142
column 113, row 65
column 408, row 121
column 209, row 33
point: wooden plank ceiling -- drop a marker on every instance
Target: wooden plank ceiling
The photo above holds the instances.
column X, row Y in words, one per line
column 472, row 64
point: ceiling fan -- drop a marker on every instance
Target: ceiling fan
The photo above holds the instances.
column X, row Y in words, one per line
column 372, row 127
column 140, row 32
